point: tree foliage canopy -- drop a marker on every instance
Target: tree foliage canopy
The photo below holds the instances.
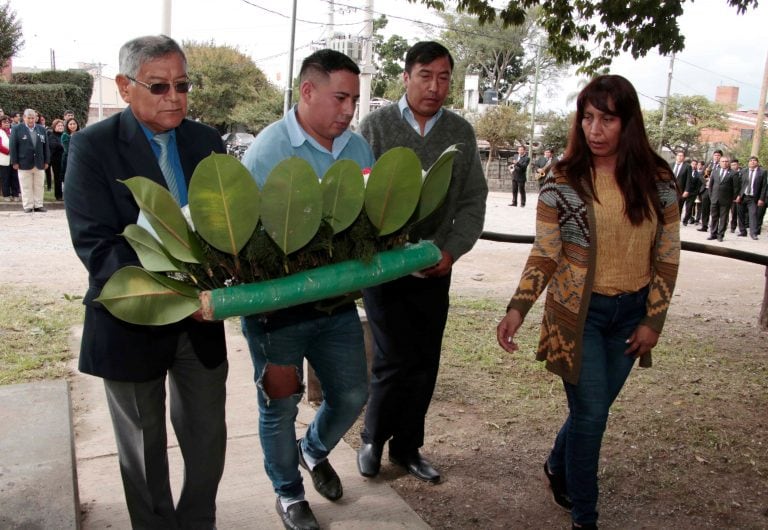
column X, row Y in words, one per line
column 503, row 124
column 229, row 89
column 11, row 38
column 577, row 27
column 686, row 117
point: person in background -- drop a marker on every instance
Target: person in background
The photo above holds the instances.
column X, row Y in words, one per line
column 608, row 245
column 752, row 195
column 690, row 193
column 70, row 127
column 542, row 165
column 736, row 214
column 722, row 192
column 152, row 138
column 8, row 175
column 30, row 156
column 54, row 173
column 408, row 315
column 519, row 170
column 67, row 115
column 328, row 334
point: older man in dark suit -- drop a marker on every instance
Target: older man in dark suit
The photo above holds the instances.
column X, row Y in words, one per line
column 723, row 189
column 752, row 194
column 153, row 139
column 30, row 155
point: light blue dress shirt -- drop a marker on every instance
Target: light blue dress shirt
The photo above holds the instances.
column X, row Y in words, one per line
column 408, row 116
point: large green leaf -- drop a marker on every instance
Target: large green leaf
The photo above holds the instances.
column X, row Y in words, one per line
column 165, row 216
column 292, row 204
column 436, row 183
column 148, row 298
column 224, row 202
column 151, row 253
column 343, row 194
column 393, row 190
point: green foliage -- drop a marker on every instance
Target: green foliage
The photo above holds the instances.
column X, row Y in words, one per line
column 343, row 194
column 686, row 117
column 11, row 37
column 229, row 89
column 592, row 33
column 50, row 93
column 163, row 214
column 503, row 124
column 224, row 203
column 743, row 150
column 556, row 129
column 152, row 254
column 148, row 298
column 436, row 183
column 393, row 190
column 388, row 81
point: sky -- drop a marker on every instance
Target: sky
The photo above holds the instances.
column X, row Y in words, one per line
column 92, row 31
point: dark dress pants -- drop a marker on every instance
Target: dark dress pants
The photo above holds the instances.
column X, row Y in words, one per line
column 407, row 317
column 197, row 398
column 689, row 203
column 719, row 219
column 706, row 209
column 518, row 187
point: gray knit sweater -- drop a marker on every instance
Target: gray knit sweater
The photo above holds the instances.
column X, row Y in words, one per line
column 458, row 223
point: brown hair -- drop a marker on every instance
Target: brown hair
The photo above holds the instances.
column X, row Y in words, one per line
column 637, row 166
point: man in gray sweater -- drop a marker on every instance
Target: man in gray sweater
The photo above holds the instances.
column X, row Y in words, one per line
column 408, row 315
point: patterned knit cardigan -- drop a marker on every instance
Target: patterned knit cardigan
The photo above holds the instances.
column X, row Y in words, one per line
column 564, row 256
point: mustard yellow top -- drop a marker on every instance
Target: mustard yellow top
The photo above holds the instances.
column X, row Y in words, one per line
column 623, row 250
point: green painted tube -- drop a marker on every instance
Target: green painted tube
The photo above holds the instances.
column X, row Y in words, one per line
column 317, row 284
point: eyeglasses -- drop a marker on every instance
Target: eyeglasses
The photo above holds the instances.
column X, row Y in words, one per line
column 159, row 89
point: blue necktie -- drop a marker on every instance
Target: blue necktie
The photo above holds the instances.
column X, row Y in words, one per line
column 171, row 177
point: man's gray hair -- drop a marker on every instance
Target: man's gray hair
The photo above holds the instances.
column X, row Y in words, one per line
column 30, row 112
column 136, row 52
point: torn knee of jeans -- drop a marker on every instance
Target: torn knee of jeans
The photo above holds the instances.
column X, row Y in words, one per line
column 281, row 381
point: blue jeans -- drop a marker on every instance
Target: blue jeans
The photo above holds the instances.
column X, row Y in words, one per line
column 334, row 347
column 604, row 369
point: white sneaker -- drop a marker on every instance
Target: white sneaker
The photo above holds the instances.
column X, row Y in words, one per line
column 6, row 199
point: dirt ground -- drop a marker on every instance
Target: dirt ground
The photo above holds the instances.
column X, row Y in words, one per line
column 491, row 457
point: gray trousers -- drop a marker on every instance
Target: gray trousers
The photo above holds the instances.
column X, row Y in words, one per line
column 197, row 397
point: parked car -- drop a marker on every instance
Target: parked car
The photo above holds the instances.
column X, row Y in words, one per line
column 237, row 142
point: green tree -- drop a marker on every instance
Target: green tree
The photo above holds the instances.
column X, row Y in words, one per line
column 591, row 33
column 500, row 125
column 686, row 117
column 556, row 129
column 228, row 88
column 743, row 150
column 391, row 56
column 504, row 57
column 11, row 38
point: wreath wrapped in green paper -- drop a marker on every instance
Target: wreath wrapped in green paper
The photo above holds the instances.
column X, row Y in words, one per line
column 238, row 250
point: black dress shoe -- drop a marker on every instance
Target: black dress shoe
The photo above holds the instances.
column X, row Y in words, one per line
column 753, row 237
column 369, row 459
column 559, row 489
column 416, row 465
column 41, row 209
column 710, row 238
column 702, row 229
column 326, row 481
column 720, row 239
column 742, row 235
column 513, row 204
column 298, row 516
column 585, row 526
column 27, row 210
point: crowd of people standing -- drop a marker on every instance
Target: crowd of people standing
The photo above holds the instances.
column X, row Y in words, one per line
column 33, row 156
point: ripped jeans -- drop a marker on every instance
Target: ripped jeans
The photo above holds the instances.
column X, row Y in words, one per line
column 334, row 347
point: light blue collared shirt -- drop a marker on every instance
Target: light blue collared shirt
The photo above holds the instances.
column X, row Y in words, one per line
column 173, row 158
column 285, row 138
column 408, row 116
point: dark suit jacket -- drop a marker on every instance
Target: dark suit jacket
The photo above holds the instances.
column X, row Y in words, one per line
column 760, row 183
column 98, row 210
column 683, row 176
column 26, row 154
column 519, row 168
column 723, row 187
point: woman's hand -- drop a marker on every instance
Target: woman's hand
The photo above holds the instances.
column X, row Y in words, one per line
column 642, row 341
column 505, row 331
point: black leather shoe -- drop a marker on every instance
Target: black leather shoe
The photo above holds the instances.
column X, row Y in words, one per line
column 702, row 229
column 298, row 516
column 585, row 526
column 559, row 489
column 369, row 459
column 710, row 238
column 417, row 465
column 326, row 481
column 41, row 209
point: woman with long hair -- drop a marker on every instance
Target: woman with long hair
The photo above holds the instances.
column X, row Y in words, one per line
column 608, row 245
column 8, row 175
column 54, row 172
column 70, row 128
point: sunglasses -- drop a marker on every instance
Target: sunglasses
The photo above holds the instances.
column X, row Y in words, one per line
column 159, row 89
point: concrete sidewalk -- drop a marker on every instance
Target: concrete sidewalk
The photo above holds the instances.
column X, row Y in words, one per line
column 245, row 499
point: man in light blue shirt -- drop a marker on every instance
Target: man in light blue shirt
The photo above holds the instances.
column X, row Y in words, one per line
column 316, row 130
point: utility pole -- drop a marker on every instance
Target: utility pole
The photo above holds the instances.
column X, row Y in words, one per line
column 331, row 23
column 757, row 136
column 289, row 79
column 666, row 102
column 535, row 94
column 366, row 66
column 53, row 60
column 166, row 22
